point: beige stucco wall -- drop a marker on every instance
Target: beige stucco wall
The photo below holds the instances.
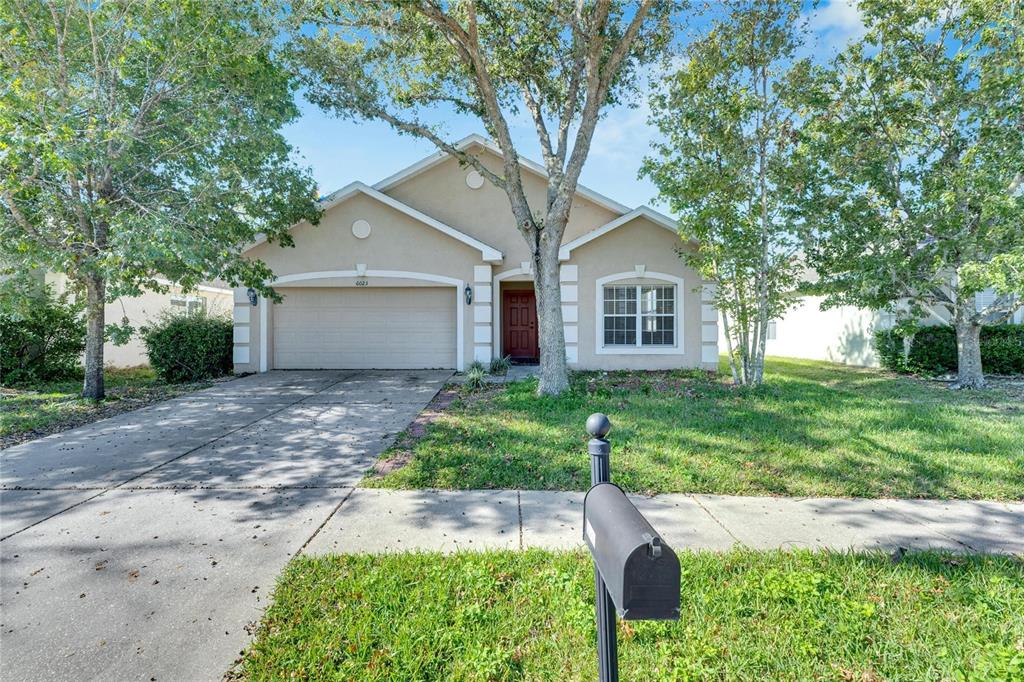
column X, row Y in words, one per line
column 641, row 242
column 397, row 243
column 400, row 243
column 442, row 192
column 142, row 310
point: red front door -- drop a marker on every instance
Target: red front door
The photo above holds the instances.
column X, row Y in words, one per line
column 519, row 313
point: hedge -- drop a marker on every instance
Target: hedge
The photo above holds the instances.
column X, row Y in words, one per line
column 41, row 338
column 189, row 347
column 933, row 350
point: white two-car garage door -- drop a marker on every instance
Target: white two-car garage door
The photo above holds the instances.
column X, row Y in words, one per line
column 365, row 328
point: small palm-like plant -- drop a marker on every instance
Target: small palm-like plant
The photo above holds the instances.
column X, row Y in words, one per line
column 475, row 376
column 501, row 365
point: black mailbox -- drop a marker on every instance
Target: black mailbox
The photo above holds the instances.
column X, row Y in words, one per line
column 640, row 571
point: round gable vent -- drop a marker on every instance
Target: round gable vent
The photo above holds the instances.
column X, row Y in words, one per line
column 474, row 179
column 361, row 229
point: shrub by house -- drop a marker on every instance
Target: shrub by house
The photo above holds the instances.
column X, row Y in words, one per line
column 41, row 339
column 189, row 347
column 932, row 349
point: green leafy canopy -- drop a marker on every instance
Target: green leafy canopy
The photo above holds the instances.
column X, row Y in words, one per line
column 140, row 139
column 915, row 137
column 726, row 161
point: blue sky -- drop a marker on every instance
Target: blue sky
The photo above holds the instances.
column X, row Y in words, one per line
column 341, row 151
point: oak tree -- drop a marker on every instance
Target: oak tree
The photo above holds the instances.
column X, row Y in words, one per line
column 914, row 200
column 562, row 62
column 140, row 139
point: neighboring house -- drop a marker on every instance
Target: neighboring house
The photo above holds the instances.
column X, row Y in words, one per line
column 146, row 308
column 842, row 334
column 427, row 269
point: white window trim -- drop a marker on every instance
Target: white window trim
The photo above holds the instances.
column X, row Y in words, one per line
column 186, row 300
column 601, row 349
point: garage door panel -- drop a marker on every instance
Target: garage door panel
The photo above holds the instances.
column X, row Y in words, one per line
column 386, row 328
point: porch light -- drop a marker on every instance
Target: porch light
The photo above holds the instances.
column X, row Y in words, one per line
column 253, row 297
column 468, row 293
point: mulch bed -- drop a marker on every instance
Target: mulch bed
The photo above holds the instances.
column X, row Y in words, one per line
column 417, row 429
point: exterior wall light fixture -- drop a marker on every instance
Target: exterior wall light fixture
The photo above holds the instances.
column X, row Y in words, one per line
column 253, row 296
column 468, row 292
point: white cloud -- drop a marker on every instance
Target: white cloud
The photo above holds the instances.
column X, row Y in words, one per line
column 623, row 133
column 837, row 24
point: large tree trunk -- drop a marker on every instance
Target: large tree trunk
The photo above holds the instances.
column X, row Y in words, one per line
column 554, row 372
column 95, row 289
column 968, row 344
column 968, row 355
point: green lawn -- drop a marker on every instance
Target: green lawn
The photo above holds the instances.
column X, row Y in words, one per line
column 30, row 412
column 745, row 615
column 815, row 428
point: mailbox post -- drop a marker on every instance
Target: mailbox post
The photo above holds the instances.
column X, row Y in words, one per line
column 635, row 573
column 598, row 427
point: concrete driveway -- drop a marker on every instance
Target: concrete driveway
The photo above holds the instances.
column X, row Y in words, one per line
column 143, row 546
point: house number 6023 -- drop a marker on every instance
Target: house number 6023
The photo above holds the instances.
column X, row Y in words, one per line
column 362, row 283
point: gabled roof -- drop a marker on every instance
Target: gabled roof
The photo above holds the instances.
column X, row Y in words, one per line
column 644, row 211
column 532, row 166
column 487, row 252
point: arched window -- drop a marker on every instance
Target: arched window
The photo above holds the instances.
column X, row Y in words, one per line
column 639, row 315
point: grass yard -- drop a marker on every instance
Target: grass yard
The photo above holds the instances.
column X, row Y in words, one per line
column 32, row 412
column 815, row 428
column 746, row 615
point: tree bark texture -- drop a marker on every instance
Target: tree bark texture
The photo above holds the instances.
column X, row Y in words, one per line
column 554, row 371
column 95, row 288
column 968, row 355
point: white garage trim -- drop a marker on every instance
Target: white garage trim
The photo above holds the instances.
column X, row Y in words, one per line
column 263, row 333
column 387, row 274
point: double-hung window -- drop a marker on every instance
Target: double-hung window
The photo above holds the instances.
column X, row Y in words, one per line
column 640, row 315
column 192, row 305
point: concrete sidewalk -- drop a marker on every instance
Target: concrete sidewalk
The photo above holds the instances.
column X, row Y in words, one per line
column 398, row 520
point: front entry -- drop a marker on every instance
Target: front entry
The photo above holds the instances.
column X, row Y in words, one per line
column 519, row 323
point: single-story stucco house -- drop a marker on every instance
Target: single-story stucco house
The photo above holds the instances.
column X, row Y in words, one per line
column 425, row 269
column 213, row 297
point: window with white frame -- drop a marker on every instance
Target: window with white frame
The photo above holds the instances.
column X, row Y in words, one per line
column 886, row 319
column 191, row 304
column 773, row 330
column 983, row 299
column 639, row 315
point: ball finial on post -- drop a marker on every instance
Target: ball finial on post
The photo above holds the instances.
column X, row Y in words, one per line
column 598, row 425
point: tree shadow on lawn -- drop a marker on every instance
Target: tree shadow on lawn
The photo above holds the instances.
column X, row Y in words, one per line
column 842, row 432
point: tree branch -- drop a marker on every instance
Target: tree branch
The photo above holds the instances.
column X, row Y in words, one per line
column 420, row 130
column 467, row 44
